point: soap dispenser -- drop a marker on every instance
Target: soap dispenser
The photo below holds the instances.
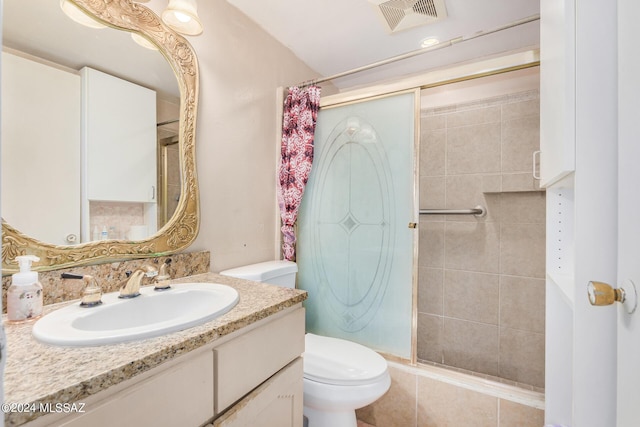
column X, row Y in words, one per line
column 24, row 296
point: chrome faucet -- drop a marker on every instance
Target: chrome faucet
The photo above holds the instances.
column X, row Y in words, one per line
column 131, row 288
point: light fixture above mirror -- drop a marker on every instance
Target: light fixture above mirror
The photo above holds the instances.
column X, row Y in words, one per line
column 77, row 15
column 182, row 17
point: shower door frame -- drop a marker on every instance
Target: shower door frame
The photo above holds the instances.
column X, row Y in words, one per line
column 477, row 69
column 337, row 101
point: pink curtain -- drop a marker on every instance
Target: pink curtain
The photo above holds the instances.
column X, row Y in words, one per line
column 298, row 126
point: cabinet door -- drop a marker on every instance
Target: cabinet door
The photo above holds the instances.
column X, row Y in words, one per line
column 557, row 90
column 180, row 396
column 276, row 403
column 119, row 139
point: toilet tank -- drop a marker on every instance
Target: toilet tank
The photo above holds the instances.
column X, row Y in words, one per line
column 279, row 272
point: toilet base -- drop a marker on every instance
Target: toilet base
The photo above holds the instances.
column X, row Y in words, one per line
column 330, row 418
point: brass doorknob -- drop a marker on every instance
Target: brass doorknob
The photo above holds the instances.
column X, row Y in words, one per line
column 604, row 294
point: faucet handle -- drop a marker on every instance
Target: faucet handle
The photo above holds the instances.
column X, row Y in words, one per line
column 163, row 277
column 91, row 294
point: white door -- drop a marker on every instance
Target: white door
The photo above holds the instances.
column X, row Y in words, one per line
column 628, row 411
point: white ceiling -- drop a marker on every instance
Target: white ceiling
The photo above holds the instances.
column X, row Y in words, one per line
column 332, row 36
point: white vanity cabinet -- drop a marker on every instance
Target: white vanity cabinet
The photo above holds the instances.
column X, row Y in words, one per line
column 252, row 377
column 119, row 138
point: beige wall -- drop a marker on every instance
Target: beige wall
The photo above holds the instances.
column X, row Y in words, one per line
column 240, row 69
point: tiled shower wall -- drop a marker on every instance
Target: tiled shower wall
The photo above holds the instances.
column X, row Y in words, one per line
column 481, row 280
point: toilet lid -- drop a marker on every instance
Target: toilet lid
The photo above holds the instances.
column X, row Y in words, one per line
column 340, row 362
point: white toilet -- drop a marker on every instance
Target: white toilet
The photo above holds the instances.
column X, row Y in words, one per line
column 339, row 376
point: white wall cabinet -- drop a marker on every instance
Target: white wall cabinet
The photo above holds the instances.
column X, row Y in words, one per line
column 119, row 139
column 250, row 377
column 557, row 90
column 40, row 149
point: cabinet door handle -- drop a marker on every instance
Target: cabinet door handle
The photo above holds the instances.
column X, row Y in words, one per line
column 535, row 172
column 153, row 192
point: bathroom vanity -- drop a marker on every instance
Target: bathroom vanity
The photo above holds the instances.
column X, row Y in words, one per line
column 243, row 368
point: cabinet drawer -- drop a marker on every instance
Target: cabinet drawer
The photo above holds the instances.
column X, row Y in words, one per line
column 276, row 403
column 245, row 362
column 180, row 396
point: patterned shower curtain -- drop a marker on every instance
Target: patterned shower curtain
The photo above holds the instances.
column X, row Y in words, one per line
column 298, row 126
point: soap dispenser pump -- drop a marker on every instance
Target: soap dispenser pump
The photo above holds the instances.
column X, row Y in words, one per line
column 24, row 296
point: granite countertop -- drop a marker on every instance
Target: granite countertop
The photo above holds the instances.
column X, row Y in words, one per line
column 39, row 373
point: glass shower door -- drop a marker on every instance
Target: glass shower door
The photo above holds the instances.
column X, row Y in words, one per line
column 355, row 250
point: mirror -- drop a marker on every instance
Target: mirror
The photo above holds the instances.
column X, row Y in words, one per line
column 180, row 228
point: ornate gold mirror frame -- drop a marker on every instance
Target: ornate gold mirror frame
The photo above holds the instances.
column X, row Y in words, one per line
column 182, row 228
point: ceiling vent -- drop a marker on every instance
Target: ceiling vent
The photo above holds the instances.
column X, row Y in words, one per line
column 399, row 15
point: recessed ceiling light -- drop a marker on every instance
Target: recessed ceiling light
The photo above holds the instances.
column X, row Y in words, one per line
column 429, row 41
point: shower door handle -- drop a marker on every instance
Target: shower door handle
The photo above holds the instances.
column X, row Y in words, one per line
column 413, row 225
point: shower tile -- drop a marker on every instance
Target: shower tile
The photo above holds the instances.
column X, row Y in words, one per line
column 522, row 250
column 471, row 296
column 470, row 345
column 522, row 356
column 433, row 145
column 430, row 338
column 524, row 207
column 475, row 116
column 432, row 195
column 520, row 138
column 433, row 121
column 430, row 290
column 522, row 181
column 397, row 407
column 514, row 414
column 472, row 246
column 517, row 110
column 522, row 303
column 431, row 244
column 492, row 183
column 446, row 405
column 473, row 149
column 465, row 192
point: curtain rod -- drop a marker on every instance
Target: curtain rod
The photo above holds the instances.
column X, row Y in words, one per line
column 417, row 52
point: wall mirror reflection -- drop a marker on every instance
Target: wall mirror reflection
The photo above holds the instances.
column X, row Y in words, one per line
column 91, row 128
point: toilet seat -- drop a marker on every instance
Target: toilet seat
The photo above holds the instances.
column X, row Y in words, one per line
column 339, row 362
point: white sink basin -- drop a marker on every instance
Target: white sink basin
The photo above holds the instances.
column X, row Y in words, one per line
column 151, row 314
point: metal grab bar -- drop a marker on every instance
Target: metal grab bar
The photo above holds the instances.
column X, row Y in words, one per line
column 478, row 211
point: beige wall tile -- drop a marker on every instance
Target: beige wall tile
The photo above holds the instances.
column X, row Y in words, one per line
column 522, row 250
column 432, row 194
column 516, row 415
column 517, row 110
column 520, row 138
column 471, row 296
column 475, row 116
column 522, row 181
column 397, row 407
column 445, row 405
column 472, row 246
column 522, row 303
column 433, row 121
column 432, row 152
column 430, row 290
column 470, row 345
column 524, row 207
column 465, row 192
column 431, row 243
column 473, row 149
column 430, row 338
column 522, row 356
column 492, row 183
